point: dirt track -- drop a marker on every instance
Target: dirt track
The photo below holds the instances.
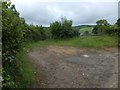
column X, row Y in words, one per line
column 69, row 67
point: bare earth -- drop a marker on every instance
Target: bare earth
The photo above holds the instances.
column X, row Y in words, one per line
column 69, row 67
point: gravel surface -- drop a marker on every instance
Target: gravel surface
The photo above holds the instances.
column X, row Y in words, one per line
column 69, row 67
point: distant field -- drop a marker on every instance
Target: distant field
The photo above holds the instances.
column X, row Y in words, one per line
column 86, row 28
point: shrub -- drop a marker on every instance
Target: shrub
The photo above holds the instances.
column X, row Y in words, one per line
column 36, row 33
column 12, row 39
column 63, row 29
column 12, row 32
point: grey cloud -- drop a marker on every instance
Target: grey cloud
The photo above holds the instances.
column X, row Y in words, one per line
column 43, row 13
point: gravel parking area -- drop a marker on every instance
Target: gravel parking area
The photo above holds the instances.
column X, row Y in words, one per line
column 70, row 67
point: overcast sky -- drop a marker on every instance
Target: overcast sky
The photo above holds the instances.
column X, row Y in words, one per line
column 44, row 12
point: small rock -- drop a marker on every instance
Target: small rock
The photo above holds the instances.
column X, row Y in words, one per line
column 34, row 72
column 85, row 55
column 111, row 85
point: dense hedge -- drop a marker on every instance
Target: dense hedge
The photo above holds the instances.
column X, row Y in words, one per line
column 63, row 29
column 36, row 33
column 103, row 27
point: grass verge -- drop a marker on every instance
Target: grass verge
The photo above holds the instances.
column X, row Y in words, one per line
column 81, row 42
column 25, row 74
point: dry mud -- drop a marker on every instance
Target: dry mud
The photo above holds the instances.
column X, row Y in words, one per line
column 69, row 67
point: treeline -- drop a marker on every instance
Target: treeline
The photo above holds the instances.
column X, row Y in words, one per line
column 36, row 33
column 58, row 30
column 12, row 40
column 63, row 29
column 16, row 32
column 103, row 27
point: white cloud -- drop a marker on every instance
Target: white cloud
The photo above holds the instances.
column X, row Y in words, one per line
column 37, row 1
column 81, row 12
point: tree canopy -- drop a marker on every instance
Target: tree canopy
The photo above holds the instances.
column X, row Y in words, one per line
column 63, row 29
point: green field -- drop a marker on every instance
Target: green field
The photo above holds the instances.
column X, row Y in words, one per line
column 86, row 28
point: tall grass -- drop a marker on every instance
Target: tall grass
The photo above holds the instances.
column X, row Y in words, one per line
column 25, row 72
column 81, row 42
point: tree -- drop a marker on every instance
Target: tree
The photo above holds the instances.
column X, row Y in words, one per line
column 118, row 22
column 56, row 28
column 101, row 27
column 35, row 33
column 63, row 29
column 118, row 30
column 102, row 22
column 86, row 33
column 95, row 30
column 112, row 30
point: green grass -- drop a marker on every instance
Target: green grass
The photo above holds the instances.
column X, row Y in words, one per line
column 25, row 69
column 81, row 42
column 83, row 29
column 20, row 71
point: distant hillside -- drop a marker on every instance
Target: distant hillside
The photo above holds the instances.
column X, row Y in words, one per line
column 81, row 26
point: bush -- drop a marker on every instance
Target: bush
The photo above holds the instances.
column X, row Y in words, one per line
column 63, row 29
column 12, row 40
column 103, row 27
column 36, row 33
column 12, row 32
